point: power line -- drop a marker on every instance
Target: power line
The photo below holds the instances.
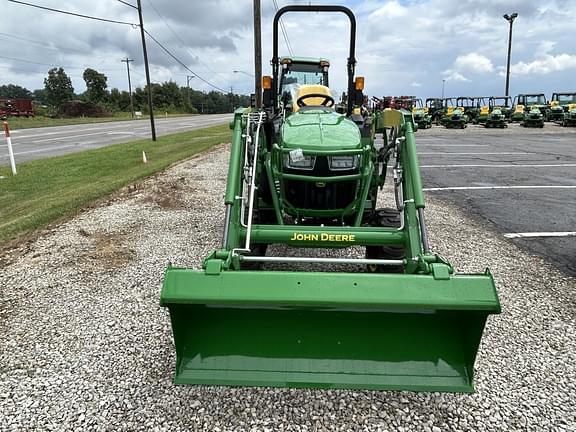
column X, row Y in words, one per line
column 182, row 43
column 167, row 51
column 283, row 30
column 116, row 22
column 73, row 14
column 127, row 4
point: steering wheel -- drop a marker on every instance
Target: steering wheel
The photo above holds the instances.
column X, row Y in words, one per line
column 328, row 101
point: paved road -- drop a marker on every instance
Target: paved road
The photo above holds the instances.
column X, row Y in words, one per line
column 521, row 180
column 29, row 144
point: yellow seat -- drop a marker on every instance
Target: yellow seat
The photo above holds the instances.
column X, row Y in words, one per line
column 450, row 110
column 485, row 110
column 308, row 89
column 519, row 109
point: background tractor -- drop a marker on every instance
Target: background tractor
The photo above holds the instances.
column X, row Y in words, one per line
column 435, row 109
column 570, row 115
column 533, row 100
column 307, row 178
column 559, row 106
column 483, row 110
column 453, row 117
column 421, row 116
column 533, row 117
column 500, row 111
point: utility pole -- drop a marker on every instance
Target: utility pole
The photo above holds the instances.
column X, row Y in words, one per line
column 127, row 61
column 443, row 82
column 188, row 78
column 257, row 54
column 150, row 107
column 510, row 19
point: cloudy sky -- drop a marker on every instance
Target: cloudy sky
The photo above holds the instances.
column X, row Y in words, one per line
column 403, row 46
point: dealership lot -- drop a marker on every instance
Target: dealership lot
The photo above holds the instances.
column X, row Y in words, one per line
column 520, row 180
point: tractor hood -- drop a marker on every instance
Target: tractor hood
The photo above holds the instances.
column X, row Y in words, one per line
column 312, row 130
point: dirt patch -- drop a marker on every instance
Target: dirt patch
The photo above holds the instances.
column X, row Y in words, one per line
column 167, row 196
column 109, row 250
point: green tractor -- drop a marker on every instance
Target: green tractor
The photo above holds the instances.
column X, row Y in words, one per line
column 308, row 177
column 533, row 117
column 530, row 101
column 559, row 106
column 435, row 108
column 500, row 111
column 454, row 117
column 569, row 115
column 421, row 116
column 471, row 106
column 483, row 111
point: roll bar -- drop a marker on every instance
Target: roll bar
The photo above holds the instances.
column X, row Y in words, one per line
column 351, row 56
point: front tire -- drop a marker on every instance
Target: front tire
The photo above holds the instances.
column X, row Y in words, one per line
column 387, row 218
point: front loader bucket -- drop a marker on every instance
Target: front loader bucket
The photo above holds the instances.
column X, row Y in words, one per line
column 328, row 330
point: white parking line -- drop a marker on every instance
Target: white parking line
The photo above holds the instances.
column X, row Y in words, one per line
column 541, row 234
column 501, row 166
column 496, row 187
column 485, row 153
column 453, row 145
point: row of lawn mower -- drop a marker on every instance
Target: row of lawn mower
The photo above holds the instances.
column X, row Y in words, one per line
column 531, row 110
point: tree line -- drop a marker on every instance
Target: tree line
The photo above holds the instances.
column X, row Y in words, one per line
column 167, row 96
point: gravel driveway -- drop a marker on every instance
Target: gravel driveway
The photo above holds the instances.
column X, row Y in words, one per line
column 85, row 346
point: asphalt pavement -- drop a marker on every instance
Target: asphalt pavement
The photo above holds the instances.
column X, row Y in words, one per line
column 37, row 143
column 521, row 180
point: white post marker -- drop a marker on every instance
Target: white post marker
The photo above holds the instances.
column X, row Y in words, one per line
column 144, row 158
column 10, row 152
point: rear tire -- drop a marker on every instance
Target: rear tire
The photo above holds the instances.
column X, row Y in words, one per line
column 388, row 218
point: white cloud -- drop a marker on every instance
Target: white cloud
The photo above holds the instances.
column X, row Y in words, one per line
column 391, row 9
column 415, row 84
column 452, row 75
column 545, row 65
column 474, row 62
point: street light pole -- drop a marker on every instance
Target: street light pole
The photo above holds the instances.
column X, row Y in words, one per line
column 510, row 19
column 443, row 82
column 244, row 72
column 188, row 78
column 127, row 60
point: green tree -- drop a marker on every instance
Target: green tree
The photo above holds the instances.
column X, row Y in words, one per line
column 119, row 101
column 96, row 85
column 58, row 87
column 15, row 91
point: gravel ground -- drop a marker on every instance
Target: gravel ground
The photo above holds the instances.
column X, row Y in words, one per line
column 85, row 346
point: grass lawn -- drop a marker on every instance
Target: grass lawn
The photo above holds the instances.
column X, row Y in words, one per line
column 41, row 121
column 46, row 190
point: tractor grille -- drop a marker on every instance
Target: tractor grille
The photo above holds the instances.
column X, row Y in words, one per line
column 320, row 196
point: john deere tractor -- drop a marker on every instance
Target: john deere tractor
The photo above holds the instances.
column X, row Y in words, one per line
column 483, row 111
column 569, row 115
column 307, row 177
column 559, row 106
column 421, row 116
column 500, row 110
column 533, row 117
column 454, row 117
column 533, row 100
column 435, row 109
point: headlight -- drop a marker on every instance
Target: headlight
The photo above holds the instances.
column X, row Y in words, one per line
column 337, row 163
column 303, row 162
